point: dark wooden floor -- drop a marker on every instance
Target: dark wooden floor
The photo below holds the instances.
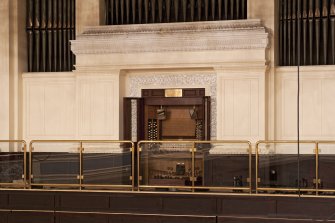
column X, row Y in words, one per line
column 95, row 207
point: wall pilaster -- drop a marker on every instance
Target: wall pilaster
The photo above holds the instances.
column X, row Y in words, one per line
column 267, row 12
column 89, row 13
column 4, row 69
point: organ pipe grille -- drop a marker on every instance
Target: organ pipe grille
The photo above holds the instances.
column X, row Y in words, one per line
column 164, row 11
column 50, row 26
column 317, row 32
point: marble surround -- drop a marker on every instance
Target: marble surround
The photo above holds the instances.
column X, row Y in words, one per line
column 155, row 81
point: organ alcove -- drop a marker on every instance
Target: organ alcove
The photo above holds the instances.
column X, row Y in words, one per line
column 169, row 115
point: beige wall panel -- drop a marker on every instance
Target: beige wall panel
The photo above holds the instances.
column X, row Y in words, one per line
column 60, row 110
column 317, row 102
column 35, row 96
column 69, row 106
column 49, row 106
column 242, row 111
column 255, row 103
column 328, row 107
column 227, row 112
column 289, row 108
column 241, row 106
column 98, row 106
column 311, row 112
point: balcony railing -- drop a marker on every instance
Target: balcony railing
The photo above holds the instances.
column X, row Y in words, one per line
column 81, row 164
column 194, row 166
column 281, row 168
column 13, row 164
column 273, row 167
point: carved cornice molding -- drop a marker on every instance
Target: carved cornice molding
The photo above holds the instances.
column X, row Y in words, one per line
column 172, row 27
column 172, row 37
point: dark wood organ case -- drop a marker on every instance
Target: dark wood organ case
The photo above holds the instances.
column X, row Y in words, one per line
column 168, row 114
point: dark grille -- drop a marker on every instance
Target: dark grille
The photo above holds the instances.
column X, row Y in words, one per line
column 50, row 26
column 165, row 11
column 317, row 32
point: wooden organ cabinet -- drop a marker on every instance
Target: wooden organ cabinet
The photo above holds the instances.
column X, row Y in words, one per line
column 169, row 115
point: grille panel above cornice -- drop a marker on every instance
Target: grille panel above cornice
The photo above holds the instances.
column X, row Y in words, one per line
column 121, row 12
column 50, row 25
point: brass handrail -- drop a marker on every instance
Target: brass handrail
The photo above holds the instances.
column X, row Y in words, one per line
column 24, row 176
column 81, row 185
column 194, row 144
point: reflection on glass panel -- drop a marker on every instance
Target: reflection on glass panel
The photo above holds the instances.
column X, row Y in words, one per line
column 226, row 166
column 167, row 165
column 107, row 164
column 326, row 168
column 11, row 163
column 278, row 166
column 51, row 167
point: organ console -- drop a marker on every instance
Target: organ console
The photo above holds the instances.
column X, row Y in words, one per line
column 170, row 114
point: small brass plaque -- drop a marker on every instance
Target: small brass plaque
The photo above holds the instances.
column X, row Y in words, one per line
column 173, row 93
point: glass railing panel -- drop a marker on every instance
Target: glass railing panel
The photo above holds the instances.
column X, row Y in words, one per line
column 107, row 165
column 12, row 164
column 55, row 164
column 223, row 166
column 326, row 182
column 279, row 167
column 307, row 168
column 165, row 166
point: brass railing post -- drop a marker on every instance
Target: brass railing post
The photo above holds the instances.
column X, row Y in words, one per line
column 25, row 164
column 256, row 166
column 138, row 165
column 80, row 165
column 30, row 163
column 193, row 166
column 132, row 166
column 250, row 167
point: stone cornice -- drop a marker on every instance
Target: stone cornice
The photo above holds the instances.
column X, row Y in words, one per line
column 195, row 36
column 172, row 27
